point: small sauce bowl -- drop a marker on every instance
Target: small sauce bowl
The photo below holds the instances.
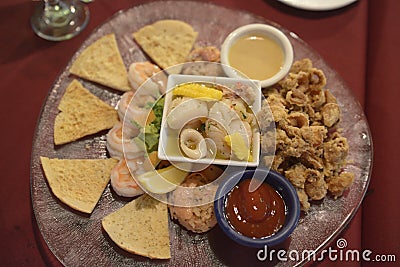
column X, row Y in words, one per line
column 281, row 185
column 255, row 53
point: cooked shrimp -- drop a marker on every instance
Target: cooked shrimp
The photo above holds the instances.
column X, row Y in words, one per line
column 126, row 104
column 117, row 144
column 206, row 53
column 144, row 73
column 203, row 68
column 143, row 163
column 122, row 181
column 123, row 175
column 202, row 61
column 135, row 109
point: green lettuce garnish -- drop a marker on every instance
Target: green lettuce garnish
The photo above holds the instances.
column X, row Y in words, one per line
column 150, row 134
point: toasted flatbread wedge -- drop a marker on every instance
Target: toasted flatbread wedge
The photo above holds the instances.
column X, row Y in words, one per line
column 82, row 114
column 141, row 227
column 101, row 62
column 167, row 42
column 79, row 183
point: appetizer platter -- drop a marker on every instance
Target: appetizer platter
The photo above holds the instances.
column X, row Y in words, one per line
column 88, row 232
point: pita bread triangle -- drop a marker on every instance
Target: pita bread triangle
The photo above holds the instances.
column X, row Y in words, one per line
column 82, row 114
column 167, row 42
column 78, row 183
column 141, row 227
column 101, row 62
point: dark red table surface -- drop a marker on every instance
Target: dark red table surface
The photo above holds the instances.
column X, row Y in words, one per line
column 360, row 41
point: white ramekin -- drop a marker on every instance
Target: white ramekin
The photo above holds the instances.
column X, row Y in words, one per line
column 260, row 29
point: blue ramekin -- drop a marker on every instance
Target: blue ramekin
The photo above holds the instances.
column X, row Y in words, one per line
column 281, row 185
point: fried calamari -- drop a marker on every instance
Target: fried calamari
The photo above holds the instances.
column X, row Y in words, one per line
column 309, row 149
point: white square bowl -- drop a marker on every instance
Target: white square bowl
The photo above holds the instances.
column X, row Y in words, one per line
column 168, row 148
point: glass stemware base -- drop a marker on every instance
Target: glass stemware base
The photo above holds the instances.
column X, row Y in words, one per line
column 59, row 20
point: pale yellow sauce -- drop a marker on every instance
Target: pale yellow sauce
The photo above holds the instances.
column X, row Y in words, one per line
column 172, row 144
column 256, row 56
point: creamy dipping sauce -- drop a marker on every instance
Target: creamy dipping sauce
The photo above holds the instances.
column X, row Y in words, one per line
column 259, row 57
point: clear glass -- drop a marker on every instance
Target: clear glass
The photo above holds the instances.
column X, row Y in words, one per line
column 58, row 20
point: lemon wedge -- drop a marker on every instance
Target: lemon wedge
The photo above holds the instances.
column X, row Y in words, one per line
column 238, row 145
column 195, row 90
column 163, row 180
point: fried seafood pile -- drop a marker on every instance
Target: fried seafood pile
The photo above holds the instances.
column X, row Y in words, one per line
column 309, row 149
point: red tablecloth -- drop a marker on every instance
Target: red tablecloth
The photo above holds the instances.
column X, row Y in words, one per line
column 360, row 41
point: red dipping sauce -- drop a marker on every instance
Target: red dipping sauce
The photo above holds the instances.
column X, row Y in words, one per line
column 258, row 214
